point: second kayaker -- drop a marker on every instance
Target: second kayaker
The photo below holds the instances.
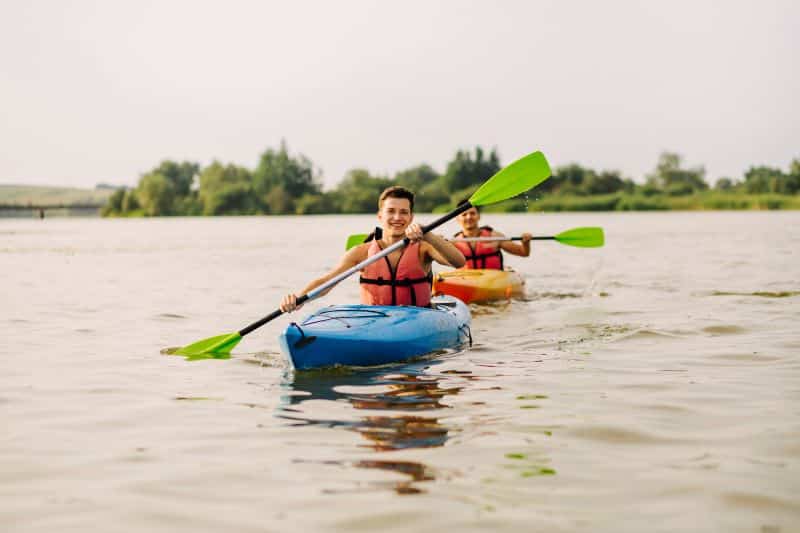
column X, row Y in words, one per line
column 488, row 255
column 403, row 277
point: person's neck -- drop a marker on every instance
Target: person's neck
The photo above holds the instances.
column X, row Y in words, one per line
column 389, row 239
column 476, row 232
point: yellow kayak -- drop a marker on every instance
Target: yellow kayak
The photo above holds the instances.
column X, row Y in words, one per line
column 479, row 285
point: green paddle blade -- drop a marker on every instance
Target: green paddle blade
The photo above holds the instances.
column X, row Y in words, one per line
column 355, row 240
column 583, row 237
column 219, row 346
column 518, row 177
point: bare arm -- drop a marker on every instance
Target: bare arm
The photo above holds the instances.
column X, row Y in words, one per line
column 350, row 259
column 522, row 248
column 443, row 251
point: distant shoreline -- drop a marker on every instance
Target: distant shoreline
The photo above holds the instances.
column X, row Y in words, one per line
column 51, row 197
column 620, row 202
column 286, row 184
column 23, row 201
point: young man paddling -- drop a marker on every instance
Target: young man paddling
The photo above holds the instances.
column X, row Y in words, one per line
column 403, row 277
column 487, row 255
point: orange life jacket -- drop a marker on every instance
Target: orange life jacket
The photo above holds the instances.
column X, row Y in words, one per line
column 408, row 285
column 482, row 254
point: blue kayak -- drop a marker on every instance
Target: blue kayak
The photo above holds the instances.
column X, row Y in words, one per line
column 367, row 335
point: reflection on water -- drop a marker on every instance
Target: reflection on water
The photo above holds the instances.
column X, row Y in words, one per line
column 410, row 390
column 763, row 294
column 387, row 433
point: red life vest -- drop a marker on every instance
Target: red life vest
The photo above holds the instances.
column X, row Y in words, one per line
column 408, row 285
column 482, row 254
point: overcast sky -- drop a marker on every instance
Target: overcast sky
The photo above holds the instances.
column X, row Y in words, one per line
column 101, row 91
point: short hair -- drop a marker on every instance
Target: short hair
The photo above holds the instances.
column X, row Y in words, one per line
column 466, row 201
column 397, row 191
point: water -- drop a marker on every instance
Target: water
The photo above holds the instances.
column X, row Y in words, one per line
column 651, row 385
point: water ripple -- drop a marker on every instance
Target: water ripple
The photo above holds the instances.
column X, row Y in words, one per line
column 616, row 435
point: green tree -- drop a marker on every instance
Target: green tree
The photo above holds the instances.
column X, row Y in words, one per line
column 156, row 194
column 607, row 182
column 317, row 204
column 466, row 171
column 130, row 202
column 794, row 168
column 794, row 177
column 358, row 192
column 763, row 179
column 294, row 175
column 180, row 175
column 669, row 177
column 647, row 190
column 426, row 184
column 432, row 197
column 226, row 190
column 189, row 205
column 725, row 185
column 575, row 179
column 415, row 178
column 114, row 204
column 568, row 179
column 278, row 201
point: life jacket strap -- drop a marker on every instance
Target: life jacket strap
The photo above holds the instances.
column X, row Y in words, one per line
column 394, row 283
column 398, row 282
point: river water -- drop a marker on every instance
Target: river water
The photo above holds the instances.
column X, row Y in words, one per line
column 650, row 385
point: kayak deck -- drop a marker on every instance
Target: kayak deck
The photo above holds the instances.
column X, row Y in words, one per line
column 479, row 285
column 368, row 335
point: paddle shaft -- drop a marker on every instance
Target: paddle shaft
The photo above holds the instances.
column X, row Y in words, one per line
column 498, row 239
column 311, row 295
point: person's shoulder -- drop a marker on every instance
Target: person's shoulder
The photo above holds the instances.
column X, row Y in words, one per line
column 357, row 253
column 362, row 248
column 426, row 247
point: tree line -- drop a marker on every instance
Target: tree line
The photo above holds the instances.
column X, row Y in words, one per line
column 283, row 183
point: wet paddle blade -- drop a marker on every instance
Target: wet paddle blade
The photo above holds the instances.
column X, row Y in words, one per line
column 584, row 237
column 518, row 177
column 219, row 346
column 355, row 240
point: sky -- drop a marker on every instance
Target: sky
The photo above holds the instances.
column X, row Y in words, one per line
column 102, row 91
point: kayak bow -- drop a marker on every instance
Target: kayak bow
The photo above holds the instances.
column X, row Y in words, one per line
column 479, row 285
column 368, row 335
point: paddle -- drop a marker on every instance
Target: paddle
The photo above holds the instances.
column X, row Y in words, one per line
column 583, row 237
column 518, row 177
column 588, row 237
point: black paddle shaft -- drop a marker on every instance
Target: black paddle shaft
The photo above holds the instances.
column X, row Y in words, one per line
column 275, row 314
column 451, row 215
column 478, row 239
column 532, row 238
column 439, row 221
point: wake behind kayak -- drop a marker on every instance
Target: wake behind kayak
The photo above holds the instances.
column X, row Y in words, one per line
column 368, row 335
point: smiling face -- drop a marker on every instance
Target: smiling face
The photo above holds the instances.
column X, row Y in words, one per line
column 469, row 220
column 395, row 215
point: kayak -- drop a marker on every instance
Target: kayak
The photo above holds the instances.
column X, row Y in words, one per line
column 479, row 285
column 367, row 335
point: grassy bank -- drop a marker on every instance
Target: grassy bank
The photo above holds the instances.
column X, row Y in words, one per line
column 24, row 195
column 43, row 196
column 704, row 201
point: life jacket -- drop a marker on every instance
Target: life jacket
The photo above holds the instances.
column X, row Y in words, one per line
column 408, row 285
column 480, row 254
